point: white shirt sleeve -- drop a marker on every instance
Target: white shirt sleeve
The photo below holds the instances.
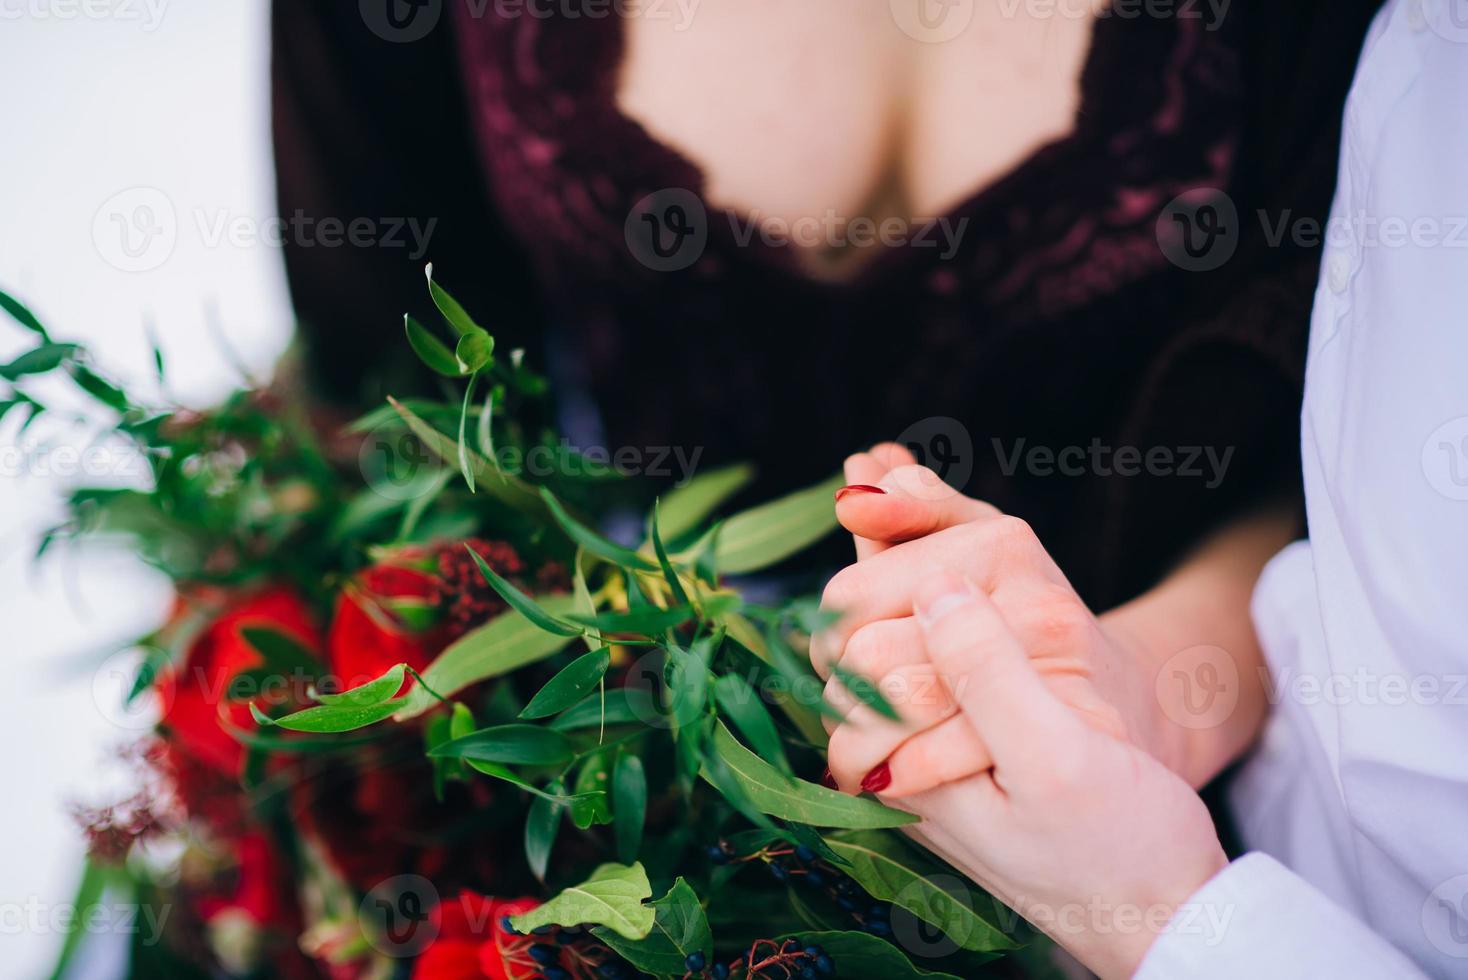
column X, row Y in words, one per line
column 1256, row 918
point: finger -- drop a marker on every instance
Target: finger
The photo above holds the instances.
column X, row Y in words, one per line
column 882, row 587
column 866, row 739
column 904, row 503
column 862, row 472
column 877, row 648
column 946, row 753
column 990, row 676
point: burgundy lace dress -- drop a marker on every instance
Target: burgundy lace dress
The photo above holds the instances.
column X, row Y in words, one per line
column 1060, row 324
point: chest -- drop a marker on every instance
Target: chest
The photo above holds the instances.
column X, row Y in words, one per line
column 838, row 109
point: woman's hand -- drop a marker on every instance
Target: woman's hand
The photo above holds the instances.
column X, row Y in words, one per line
column 1134, row 672
column 909, row 524
column 1087, row 836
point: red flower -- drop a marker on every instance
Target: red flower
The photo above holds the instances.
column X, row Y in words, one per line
column 196, row 694
column 409, row 607
column 473, row 943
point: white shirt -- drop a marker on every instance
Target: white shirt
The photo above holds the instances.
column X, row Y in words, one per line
column 1355, row 804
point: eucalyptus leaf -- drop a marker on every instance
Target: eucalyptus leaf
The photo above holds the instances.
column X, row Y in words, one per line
column 569, row 685
column 38, row 360
column 521, row 602
column 647, row 621
column 371, row 694
column 613, row 897
column 890, row 871
column 862, row 956
column 542, row 824
column 502, row 645
column 329, row 718
column 430, row 350
column 505, row 487
column 865, row 692
column 588, row 539
column 680, row 597
column 455, row 314
column 473, row 352
column 629, row 805
column 21, row 314
column 741, row 704
column 793, row 799
column 515, row 745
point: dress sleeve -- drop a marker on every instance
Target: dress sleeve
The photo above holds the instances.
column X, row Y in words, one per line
column 1256, row 918
column 369, row 125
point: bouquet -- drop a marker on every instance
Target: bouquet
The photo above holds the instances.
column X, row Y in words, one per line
column 421, row 714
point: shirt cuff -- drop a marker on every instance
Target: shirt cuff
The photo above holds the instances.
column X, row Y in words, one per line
column 1258, row 919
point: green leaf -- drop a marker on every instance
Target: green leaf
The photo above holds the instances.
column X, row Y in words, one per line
column 465, row 466
column 768, row 534
column 521, row 602
column 514, row 745
column 629, row 804
column 679, row 929
column 866, row 692
column 502, row 645
column 371, row 694
column 794, row 799
column 455, row 314
column 507, row 488
column 742, row 705
column 862, row 956
column 686, row 507
column 430, row 350
column 613, row 897
column 680, row 597
column 104, row 391
column 329, row 718
column 474, row 351
column 613, row 708
column 687, row 677
column 542, row 824
column 589, row 806
column 890, row 871
column 647, row 621
column 23, row 316
column 586, row 538
column 39, row 360
column 570, row 685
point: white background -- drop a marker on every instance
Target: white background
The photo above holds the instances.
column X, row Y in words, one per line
column 99, row 99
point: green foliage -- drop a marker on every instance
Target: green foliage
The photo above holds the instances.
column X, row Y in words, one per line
column 614, row 896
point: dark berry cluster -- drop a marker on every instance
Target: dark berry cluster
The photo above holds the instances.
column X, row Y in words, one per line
column 800, row 865
column 558, row 953
column 767, row 959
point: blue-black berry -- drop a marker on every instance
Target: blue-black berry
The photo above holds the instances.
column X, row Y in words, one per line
column 545, row 955
column 695, row 962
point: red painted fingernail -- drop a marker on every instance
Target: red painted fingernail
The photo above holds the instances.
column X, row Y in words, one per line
column 857, row 488
column 828, row 780
column 877, row 780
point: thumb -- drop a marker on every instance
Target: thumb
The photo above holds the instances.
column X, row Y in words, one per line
column 990, row 675
column 907, row 502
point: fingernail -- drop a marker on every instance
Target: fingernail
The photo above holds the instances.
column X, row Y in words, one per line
column 878, row 779
column 857, row 488
column 828, row 780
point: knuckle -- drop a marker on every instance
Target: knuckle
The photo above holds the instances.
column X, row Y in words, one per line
column 845, row 589
column 1059, row 620
column 866, row 651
